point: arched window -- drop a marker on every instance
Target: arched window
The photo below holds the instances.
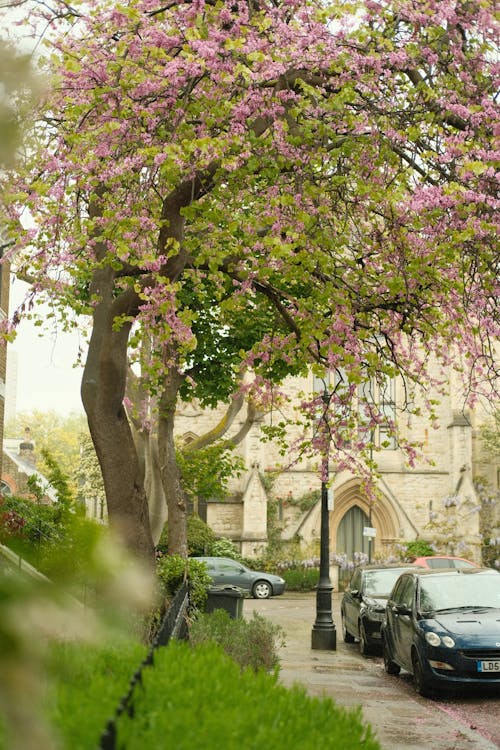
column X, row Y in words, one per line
column 4, row 488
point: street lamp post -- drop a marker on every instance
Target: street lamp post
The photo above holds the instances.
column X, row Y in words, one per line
column 324, row 635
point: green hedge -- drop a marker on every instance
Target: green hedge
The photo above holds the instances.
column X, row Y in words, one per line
column 83, row 688
column 300, row 579
column 199, row 698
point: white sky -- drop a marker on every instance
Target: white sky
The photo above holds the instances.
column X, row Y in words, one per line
column 46, row 378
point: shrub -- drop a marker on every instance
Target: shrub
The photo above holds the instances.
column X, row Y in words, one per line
column 251, row 643
column 417, row 548
column 173, row 570
column 57, row 539
column 224, row 548
column 301, row 579
column 200, row 537
column 199, row 698
column 490, row 553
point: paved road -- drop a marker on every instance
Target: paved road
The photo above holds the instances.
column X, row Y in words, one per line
column 401, row 719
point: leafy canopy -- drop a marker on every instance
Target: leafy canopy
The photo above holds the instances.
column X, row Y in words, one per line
column 273, row 186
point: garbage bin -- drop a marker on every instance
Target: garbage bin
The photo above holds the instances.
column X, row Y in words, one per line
column 229, row 598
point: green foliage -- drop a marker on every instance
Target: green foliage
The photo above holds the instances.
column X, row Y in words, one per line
column 200, row 537
column 86, row 684
column 88, row 475
column 490, row 552
column 205, row 472
column 224, row 548
column 57, row 479
column 59, row 435
column 57, row 539
column 300, row 578
column 251, row 643
column 173, row 570
column 490, row 434
column 200, row 698
column 416, row 548
column 16, row 76
column 306, row 501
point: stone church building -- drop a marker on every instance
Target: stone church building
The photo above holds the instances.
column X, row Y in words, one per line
column 433, row 500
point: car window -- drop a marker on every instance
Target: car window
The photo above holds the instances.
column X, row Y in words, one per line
column 405, row 592
column 227, row 567
column 438, row 562
column 398, row 589
column 356, row 581
column 379, row 583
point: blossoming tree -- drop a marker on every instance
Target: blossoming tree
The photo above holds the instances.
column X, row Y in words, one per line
column 321, row 175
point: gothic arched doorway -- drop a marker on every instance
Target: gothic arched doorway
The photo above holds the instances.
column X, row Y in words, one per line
column 350, row 537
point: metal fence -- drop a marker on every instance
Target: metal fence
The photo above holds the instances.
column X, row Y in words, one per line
column 174, row 625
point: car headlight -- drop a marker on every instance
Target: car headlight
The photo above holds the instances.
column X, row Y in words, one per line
column 433, row 639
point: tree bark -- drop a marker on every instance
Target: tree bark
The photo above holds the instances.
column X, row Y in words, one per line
column 169, row 470
column 103, row 390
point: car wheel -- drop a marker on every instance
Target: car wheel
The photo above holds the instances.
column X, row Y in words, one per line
column 422, row 684
column 364, row 646
column 262, row 590
column 390, row 666
column 348, row 638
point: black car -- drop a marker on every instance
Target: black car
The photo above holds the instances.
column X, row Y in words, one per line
column 444, row 628
column 363, row 604
column 225, row 571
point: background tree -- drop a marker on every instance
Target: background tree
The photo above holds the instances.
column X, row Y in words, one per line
column 332, row 166
column 59, row 435
column 17, row 83
column 490, row 434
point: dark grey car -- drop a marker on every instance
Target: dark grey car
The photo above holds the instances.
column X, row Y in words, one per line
column 363, row 604
column 225, row 571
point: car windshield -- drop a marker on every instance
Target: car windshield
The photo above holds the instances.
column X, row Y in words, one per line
column 453, row 591
column 379, row 583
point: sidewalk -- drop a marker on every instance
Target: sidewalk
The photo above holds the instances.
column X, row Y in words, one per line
column 401, row 719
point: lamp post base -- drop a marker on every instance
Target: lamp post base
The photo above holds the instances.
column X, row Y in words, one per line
column 324, row 639
column 324, row 634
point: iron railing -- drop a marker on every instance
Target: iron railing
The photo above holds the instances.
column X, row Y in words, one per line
column 174, row 625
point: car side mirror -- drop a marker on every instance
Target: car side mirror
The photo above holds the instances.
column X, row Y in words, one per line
column 402, row 609
column 355, row 592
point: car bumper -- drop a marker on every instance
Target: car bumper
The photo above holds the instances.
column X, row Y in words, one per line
column 278, row 588
column 464, row 669
column 372, row 631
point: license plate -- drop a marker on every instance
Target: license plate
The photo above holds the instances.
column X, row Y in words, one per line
column 488, row 666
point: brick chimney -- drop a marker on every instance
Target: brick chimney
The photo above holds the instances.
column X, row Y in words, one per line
column 27, row 447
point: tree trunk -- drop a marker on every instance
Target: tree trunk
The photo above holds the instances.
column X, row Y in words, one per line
column 169, row 471
column 103, row 390
column 146, row 443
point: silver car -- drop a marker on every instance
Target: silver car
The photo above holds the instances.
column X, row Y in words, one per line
column 227, row 572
